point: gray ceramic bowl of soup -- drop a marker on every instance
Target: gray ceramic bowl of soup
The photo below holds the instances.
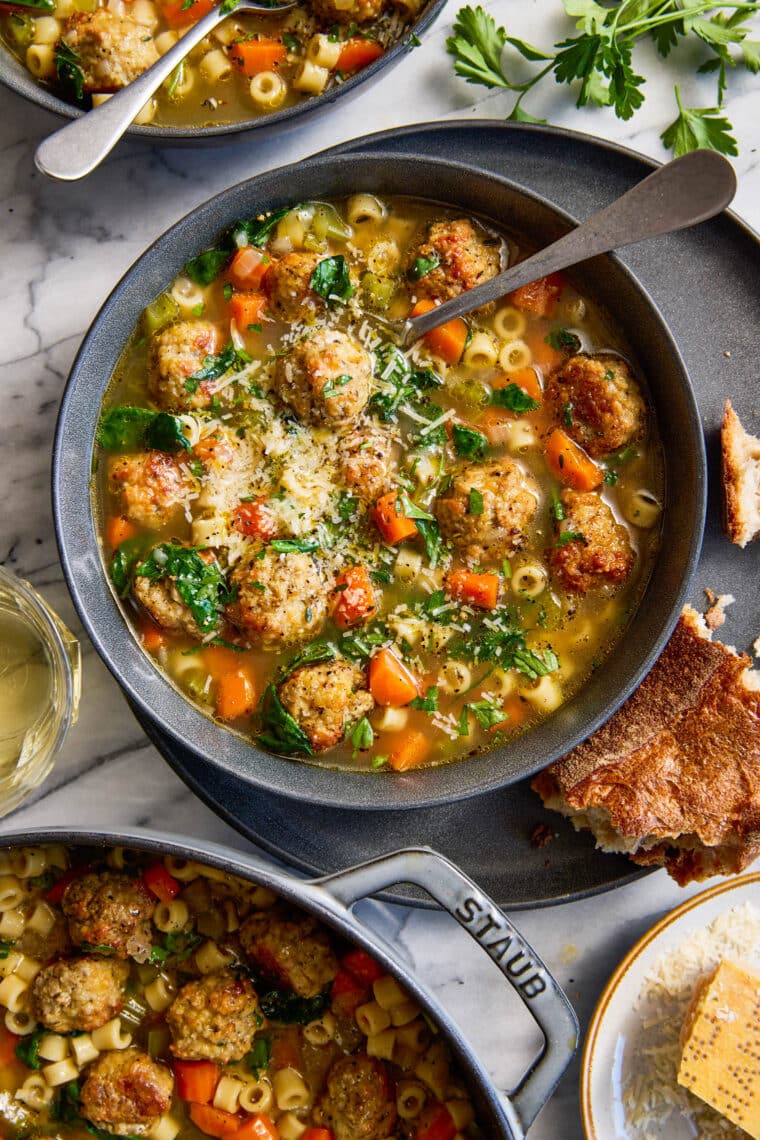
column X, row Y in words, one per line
column 204, row 124
column 604, row 280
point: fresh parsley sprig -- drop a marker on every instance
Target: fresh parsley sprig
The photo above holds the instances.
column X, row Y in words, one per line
column 599, row 59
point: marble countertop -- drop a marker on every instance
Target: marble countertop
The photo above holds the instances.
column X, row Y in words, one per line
column 62, row 248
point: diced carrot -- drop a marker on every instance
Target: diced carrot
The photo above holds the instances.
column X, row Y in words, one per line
column 480, row 590
column 411, row 749
column 436, row 1123
column 539, row 298
column 346, row 993
column 570, row 464
column 362, row 966
column 247, row 309
column 218, row 660
column 178, row 13
column 235, row 694
column 517, row 711
column 253, row 56
column 248, row 267
column 392, row 526
column 357, row 54
column 8, row 1043
column 254, row 520
column 355, row 597
column 214, row 1121
column 544, row 356
column 196, row 1080
column 448, row 340
column 165, row 887
column 152, row 636
column 258, row 1127
column 390, row 682
column 525, row 378
column 118, row 530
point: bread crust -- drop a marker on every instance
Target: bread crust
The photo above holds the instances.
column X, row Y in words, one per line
column 740, row 477
column 673, row 778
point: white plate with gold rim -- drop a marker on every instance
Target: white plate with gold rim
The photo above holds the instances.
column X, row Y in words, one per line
column 614, row 1055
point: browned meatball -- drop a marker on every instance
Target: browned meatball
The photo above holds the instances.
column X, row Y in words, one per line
column 290, row 948
column 214, row 1019
column 80, row 993
column 282, row 598
column 490, row 530
column 348, row 11
column 162, row 601
column 598, row 401
column 463, row 255
column 366, row 459
column 177, row 353
column 53, row 944
column 601, row 556
column 325, row 379
column 111, row 50
column 325, row 699
column 125, row 1092
column 152, row 487
column 287, row 287
column 106, row 909
column 358, row 1102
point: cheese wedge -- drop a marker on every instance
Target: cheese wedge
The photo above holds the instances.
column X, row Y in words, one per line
column 720, row 1046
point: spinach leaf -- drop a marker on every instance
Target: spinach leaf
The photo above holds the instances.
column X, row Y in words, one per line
column 431, row 536
column 27, row 1049
column 535, row 665
column 359, row 645
column 421, row 266
column 410, row 510
column 256, row 230
column 394, row 369
column 229, row 359
column 127, row 557
column 428, row 703
column 257, row 1060
column 67, row 1110
column 486, row 713
column 6, row 945
column 502, row 642
column 69, row 71
column 281, row 732
column 468, row 443
column 280, row 1005
column 312, row 655
column 331, row 280
column 37, row 5
column 514, row 398
column 179, row 947
column 127, row 427
column 207, row 266
column 475, row 506
column 362, row 735
column 562, row 341
column 294, row 545
column 201, row 585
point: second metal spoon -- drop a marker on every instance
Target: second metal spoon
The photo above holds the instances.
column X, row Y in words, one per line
column 80, row 146
column 688, row 190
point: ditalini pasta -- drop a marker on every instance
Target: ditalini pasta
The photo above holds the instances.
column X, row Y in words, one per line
column 248, row 1018
column 291, row 505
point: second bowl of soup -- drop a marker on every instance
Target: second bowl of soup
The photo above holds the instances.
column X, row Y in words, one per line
column 386, row 577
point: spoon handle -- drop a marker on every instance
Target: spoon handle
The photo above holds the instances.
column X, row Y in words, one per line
column 81, row 145
column 688, row 190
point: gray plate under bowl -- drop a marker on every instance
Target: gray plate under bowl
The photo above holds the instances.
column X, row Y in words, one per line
column 490, row 836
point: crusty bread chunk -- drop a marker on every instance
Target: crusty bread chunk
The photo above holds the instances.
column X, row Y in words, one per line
column 673, row 778
column 740, row 474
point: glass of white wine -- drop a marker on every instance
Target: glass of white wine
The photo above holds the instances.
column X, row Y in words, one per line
column 40, row 679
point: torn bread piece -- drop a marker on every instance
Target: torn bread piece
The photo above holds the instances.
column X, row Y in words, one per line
column 673, row 778
column 740, row 474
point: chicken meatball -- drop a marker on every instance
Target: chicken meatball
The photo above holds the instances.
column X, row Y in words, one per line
column 125, row 1092
column 288, row 289
column 162, row 601
column 462, row 257
column 152, row 487
column 487, row 510
column 111, row 50
column 214, row 1018
column 281, row 600
column 177, row 353
column 598, row 400
column 348, row 11
column 325, row 379
column 79, row 993
column 112, row 910
column 600, row 555
column 358, row 1102
column 325, row 699
column 367, row 462
column 290, row 948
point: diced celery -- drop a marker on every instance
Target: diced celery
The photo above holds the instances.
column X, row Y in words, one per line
column 21, row 30
column 160, row 313
column 158, row 1040
column 470, row 392
column 378, row 291
column 327, row 223
column 313, row 243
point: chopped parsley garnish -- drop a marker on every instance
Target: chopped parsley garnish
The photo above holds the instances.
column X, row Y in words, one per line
column 335, row 383
column 610, row 477
column 428, row 703
column 468, row 443
column 331, row 280
column 227, row 291
column 475, row 506
column 566, row 536
column 514, row 398
column 558, row 508
column 486, row 713
column 401, row 383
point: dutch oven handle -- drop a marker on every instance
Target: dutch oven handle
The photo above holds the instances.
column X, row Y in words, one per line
column 494, row 932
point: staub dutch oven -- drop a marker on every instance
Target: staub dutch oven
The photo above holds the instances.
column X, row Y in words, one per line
column 603, row 278
column 331, row 899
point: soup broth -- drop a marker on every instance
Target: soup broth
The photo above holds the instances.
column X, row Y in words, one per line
column 361, row 556
column 150, row 996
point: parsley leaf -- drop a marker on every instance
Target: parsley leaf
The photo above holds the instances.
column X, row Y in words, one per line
column 207, row 266
column 229, row 359
column 428, row 703
column 335, row 383
column 362, row 735
column 566, row 536
column 699, row 127
column 331, row 280
column 475, row 506
column 562, row 339
column 486, row 713
column 477, row 46
column 468, row 443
